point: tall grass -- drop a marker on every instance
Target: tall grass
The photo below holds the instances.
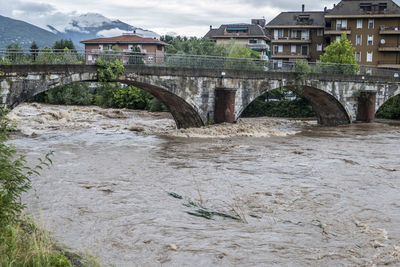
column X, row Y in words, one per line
column 22, row 243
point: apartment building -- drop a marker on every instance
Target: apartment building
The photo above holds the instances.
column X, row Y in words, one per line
column 247, row 35
column 373, row 27
column 296, row 36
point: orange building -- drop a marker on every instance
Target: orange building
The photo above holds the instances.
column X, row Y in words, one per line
column 152, row 50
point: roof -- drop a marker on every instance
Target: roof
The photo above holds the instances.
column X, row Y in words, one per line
column 254, row 30
column 124, row 39
column 352, row 7
column 316, row 18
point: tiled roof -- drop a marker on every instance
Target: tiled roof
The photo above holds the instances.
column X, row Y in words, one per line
column 254, row 31
column 352, row 7
column 124, row 39
column 316, row 18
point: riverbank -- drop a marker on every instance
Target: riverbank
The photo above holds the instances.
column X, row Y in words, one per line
column 22, row 242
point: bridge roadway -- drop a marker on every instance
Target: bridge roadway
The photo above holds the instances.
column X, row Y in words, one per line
column 197, row 96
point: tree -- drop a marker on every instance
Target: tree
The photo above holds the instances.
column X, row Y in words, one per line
column 340, row 52
column 34, row 49
column 62, row 44
column 15, row 55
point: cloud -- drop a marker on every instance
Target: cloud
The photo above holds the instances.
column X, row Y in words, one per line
column 34, row 8
column 184, row 17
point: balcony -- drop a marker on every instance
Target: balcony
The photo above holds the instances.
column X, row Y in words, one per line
column 290, row 56
column 337, row 31
column 388, row 47
column 288, row 40
column 388, row 64
column 389, row 30
column 257, row 46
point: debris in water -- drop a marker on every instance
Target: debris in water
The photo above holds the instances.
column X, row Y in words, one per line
column 172, row 247
column 383, row 168
column 201, row 211
column 175, row 195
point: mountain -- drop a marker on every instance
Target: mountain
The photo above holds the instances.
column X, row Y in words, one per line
column 16, row 31
column 94, row 25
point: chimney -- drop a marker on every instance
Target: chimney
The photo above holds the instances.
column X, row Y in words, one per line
column 302, row 8
column 325, row 9
column 210, row 27
column 334, row 5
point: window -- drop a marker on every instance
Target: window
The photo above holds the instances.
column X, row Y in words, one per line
column 278, row 34
column 358, row 39
column 358, row 56
column 304, row 50
column 370, row 40
column 370, row 24
column 100, row 47
column 90, row 58
column 109, row 47
column 294, row 34
column 293, row 49
column 277, row 64
column 369, row 56
column 320, row 32
column 319, row 47
column 278, row 49
column 130, row 47
column 150, row 58
column 252, row 41
column 359, row 23
column 341, row 24
column 305, row 34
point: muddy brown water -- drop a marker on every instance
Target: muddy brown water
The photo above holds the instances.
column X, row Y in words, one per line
column 306, row 195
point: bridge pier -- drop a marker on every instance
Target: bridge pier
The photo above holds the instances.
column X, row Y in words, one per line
column 366, row 106
column 224, row 105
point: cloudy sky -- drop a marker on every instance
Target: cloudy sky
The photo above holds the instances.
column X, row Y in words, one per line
column 184, row 17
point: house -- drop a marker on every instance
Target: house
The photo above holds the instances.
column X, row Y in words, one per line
column 247, row 35
column 296, row 36
column 151, row 50
column 372, row 26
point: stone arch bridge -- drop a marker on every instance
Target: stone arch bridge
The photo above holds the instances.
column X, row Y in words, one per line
column 197, row 96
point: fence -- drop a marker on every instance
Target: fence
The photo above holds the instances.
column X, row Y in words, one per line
column 68, row 57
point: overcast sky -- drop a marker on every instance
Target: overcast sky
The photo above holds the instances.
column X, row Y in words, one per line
column 184, row 17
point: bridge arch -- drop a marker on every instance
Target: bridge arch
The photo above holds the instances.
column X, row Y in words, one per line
column 185, row 114
column 328, row 109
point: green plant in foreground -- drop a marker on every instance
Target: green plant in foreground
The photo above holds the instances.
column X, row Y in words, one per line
column 108, row 70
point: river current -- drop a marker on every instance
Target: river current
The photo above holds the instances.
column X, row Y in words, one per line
column 301, row 194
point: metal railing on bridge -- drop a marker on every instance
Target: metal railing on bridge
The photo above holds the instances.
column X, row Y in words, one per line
column 89, row 57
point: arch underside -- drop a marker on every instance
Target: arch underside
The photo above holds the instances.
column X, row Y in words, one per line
column 328, row 110
column 184, row 114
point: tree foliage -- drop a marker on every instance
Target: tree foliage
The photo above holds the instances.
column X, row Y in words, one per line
column 193, row 46
column 108, row 95
column 63, row 44
column 391, row 109
column 341, row 52
column 108, row 70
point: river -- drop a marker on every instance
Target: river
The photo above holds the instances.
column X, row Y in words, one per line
column 301, row 194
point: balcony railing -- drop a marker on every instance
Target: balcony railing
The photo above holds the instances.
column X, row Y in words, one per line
column 292, row 40
column 389, row 47
column 389, row 30
column 338, row 31
column 291, row 55
column 257, row 46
